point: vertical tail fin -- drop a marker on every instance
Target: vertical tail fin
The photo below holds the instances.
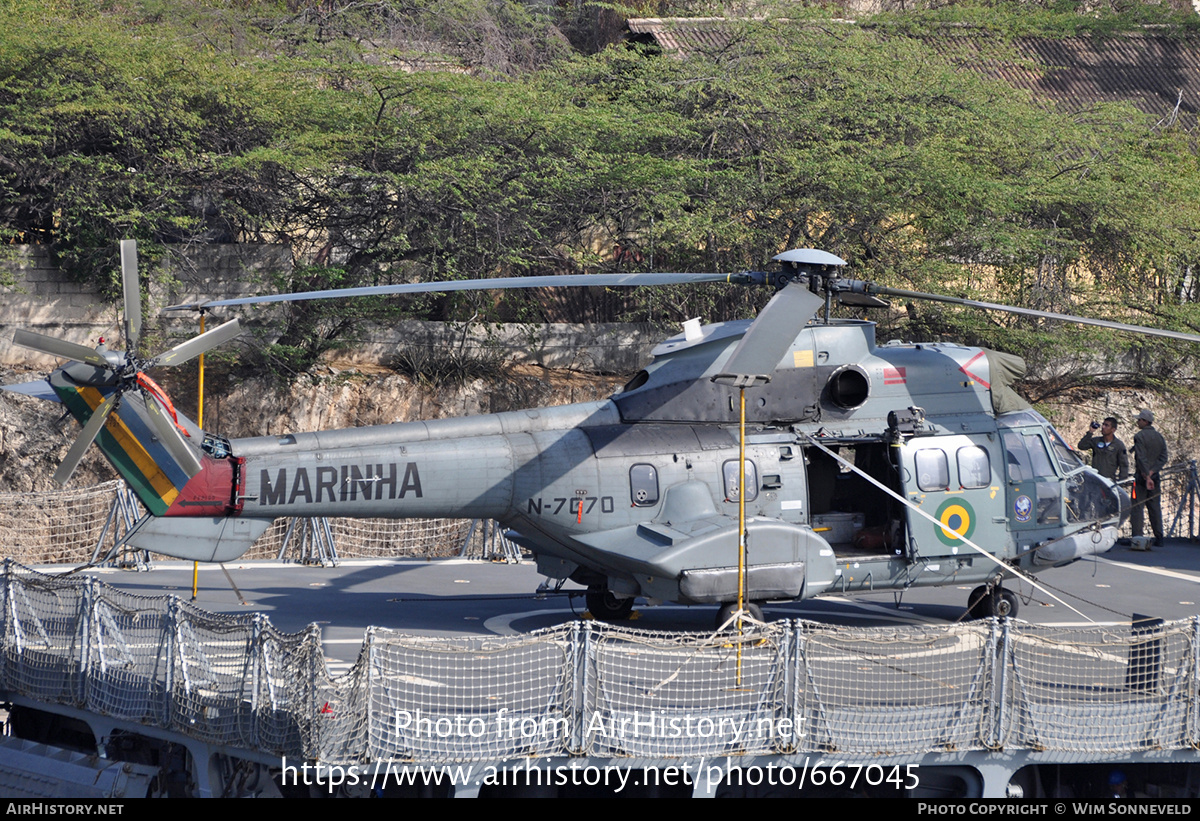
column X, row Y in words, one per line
column 129, row 442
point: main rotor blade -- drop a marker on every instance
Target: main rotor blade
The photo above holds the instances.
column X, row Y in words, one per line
column 171, row 438
column 197, row 345
column 90, row 431
column 133, row 293
column 861, row 300
column 60, row 348
column 497, row 284
column 755, row 357
column 872, row 288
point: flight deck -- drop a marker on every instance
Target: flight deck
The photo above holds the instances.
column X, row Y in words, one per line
column 452, row 597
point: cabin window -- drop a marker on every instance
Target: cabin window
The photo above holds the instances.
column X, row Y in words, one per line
column 730, row 471
column 974, row 468
column 933, row 469
column 643, row 485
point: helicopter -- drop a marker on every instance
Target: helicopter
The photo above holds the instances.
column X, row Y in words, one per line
column 782, row 458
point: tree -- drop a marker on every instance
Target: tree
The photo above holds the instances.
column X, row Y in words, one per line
column 176, row 123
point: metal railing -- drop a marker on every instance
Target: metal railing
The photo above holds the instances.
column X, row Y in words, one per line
column 589, row 689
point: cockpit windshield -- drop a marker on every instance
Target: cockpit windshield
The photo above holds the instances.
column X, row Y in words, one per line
column 1067, row 458
column 1022, row 418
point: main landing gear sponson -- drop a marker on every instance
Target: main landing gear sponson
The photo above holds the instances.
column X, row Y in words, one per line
column 604, row 606
column 998, row 602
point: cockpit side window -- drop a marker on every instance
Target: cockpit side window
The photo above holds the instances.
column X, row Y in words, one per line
column 1027, row 456
column 1038, row 455
column 1029, row 460
column 1028, row 419
column 1017, row 457
column 1067, row 458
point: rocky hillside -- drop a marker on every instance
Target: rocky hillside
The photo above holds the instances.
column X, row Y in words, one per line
column 1177, row 415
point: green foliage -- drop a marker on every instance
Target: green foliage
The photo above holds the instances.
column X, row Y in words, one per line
column 454, row 364
column 312, row 329
column 294, row 122
column 110, row 136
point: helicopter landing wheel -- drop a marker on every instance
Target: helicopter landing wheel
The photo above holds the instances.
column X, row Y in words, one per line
column 979, row 603
column 1001, row 603
column 605, row 606
column 1004, row 603
column 727, row 610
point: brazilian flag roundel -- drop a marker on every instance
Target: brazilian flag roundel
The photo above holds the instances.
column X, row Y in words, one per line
column 956, row 516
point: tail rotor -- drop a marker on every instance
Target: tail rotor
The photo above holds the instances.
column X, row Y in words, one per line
column 114, row 374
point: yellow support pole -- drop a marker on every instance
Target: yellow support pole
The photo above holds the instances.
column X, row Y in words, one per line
column 741, row 599
column 200, row 401
column 200, row 423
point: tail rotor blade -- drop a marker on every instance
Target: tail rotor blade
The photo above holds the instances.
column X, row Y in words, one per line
column 90, row 431
column 170, row 437
column 133, row 293
column 197, row 345
column 59, row 348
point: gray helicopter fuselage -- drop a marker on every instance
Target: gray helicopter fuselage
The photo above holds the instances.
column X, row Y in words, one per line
column 640, row 493
column 865, row 466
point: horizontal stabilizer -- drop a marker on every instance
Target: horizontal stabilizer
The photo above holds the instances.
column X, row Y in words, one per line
column 38, row 389
column 200, row 539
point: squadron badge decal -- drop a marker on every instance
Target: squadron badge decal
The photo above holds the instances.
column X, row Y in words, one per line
column 1023, row 508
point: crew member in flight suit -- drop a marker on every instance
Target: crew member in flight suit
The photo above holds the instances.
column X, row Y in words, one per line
column 1150, row 456
column 1109, row 457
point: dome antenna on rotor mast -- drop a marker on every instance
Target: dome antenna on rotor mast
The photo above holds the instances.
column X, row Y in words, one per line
column 821, row 270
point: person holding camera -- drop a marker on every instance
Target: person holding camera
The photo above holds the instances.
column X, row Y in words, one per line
column 1109, row 457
